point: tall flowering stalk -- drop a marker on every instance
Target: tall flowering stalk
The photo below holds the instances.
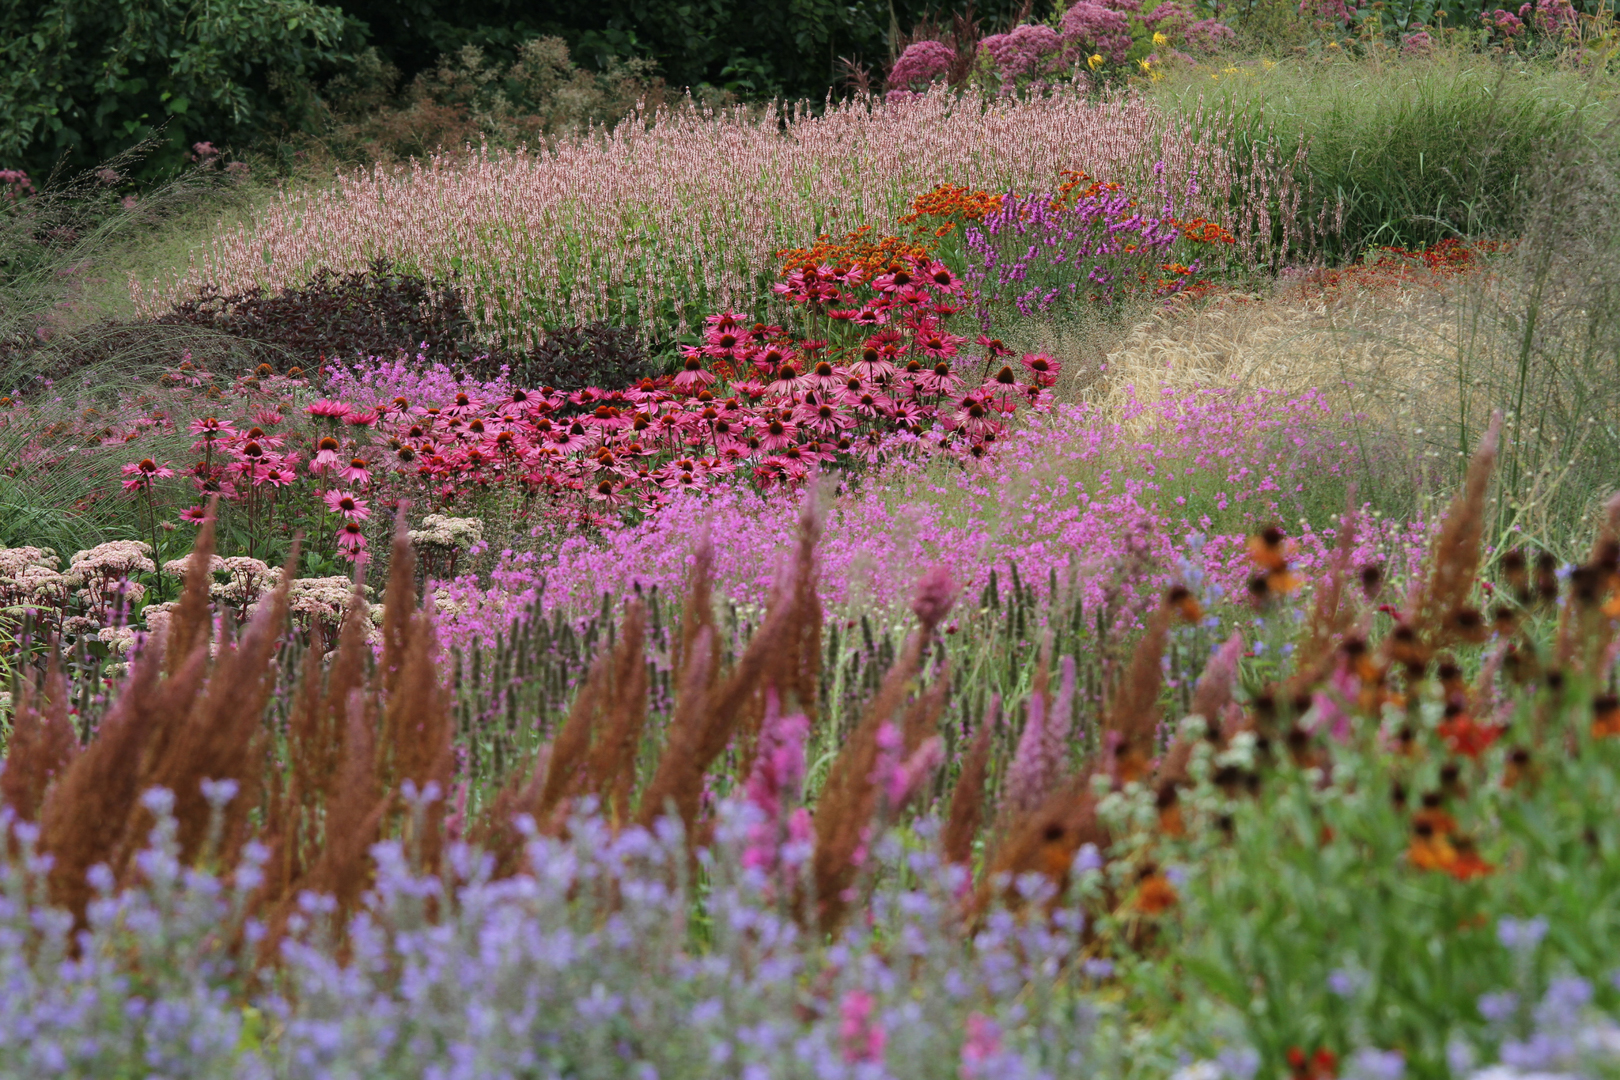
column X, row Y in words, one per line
column 1095, row 244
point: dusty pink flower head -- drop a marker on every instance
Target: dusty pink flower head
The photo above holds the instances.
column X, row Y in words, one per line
column 982, row 1045
column 922, row 62
column 936, row 592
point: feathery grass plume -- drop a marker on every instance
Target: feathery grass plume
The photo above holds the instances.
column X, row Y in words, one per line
column 967, row 801
column 42, row 742
column 793, row 671
column 610, row 765
column 219, row 736
column 849, row 797
column 1041, row 760
column 399, row 602
column 706, row 718
column 1440, row 612
column 677, row 780
column 342, row 867
column 565, row 767
column 1331, row 616
column 698, row 610
column 346, row 673
column 418, row 713
column 1586, row 625
column 193, row 619
column 1046, row 841
column 81, row 821
column 1133, row 714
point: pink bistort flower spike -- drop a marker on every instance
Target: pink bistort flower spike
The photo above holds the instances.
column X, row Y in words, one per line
column 861, row 1038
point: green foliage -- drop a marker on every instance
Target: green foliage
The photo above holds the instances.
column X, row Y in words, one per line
column 1413, row 151
column 1315, row 925
column 92, row 78
column 753, row 48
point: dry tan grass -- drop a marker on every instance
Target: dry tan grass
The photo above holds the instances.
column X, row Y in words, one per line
column 1389, row 353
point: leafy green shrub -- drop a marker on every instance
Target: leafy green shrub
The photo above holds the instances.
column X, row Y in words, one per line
column 468, row 98
column 94, row 78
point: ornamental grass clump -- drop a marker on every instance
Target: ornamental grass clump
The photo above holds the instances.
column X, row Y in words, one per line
column 371, row 901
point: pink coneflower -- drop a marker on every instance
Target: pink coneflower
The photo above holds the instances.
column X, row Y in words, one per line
column 777, row 434
column 870, row 316
column 868, row 404
column 938, row 345
column 195, row 515
column 692, row 378
column 823, row 418
column 823, row 379
column 360, row 419
column 1042, row 368
column 464, row 406
column 939, row 276
column 939, row 380
column 898, row 278
column 142, row 473
column 609, row 493
column 328, row 409
column 341, row 502
column 993, row 347
column 326, row 455
column 351, row 541
column 873, row 366
column 787, row 381
column 210, row 428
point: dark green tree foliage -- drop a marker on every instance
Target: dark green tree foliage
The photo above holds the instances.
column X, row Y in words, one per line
column 93, row 77
column 755, row 48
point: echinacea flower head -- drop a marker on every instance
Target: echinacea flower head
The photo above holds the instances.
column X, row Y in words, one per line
column 1043, row 368
column 194, row 515
column 341, row 502
column 351, row 540
column 356, row 471
column 142, row 473
column 326, row 455
column 328, row 409
column 211, row 428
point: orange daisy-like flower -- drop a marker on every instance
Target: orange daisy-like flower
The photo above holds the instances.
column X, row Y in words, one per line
column 1466, row 736
column 1606, row 717
column 1155, row 895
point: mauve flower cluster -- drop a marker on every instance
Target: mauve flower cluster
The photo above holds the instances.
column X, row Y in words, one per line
column 584, row 965
column 1168, row 489
column 1095, row 243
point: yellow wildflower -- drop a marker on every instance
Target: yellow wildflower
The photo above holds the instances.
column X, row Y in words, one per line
column 1095, row 62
